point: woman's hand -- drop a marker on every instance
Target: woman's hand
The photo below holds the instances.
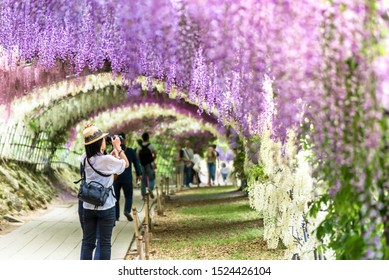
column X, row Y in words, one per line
column 116, row 142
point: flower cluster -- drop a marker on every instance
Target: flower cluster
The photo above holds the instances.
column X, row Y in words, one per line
column 281, row 187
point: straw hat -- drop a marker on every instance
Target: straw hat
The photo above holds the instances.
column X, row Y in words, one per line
column 92, row 134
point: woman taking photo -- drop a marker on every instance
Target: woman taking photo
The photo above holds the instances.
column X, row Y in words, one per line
column 100, row 168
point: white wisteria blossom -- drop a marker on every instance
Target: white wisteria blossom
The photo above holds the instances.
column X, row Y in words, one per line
column 283, row 194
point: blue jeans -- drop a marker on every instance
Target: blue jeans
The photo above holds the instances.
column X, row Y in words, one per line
column 187, row 175
column 96, row 255
column 103, row 221
column 148, row 178
column 211, row 171
column 128, row 192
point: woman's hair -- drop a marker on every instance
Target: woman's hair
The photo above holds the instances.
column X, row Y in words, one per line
column 94, row 148
column 146, row 137
column 122, row 134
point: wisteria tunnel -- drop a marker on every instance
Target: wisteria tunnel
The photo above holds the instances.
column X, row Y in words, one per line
column 294, row 94
column 58, row 113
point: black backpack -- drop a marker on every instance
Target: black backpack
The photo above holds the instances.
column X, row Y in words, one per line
column 145, row 155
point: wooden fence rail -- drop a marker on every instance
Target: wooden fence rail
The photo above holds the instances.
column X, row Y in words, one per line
column 20, row 144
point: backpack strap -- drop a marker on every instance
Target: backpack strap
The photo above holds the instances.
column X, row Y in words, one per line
column 113, row 194
column 82, row 172
column 98, row 172
column 83, row 175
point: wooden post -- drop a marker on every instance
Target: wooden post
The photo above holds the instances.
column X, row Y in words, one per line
column 147, row 212
column 147, row 215
column 136, row 229
column 158, row 198
column 159, row 203
column 179, row 182
column 163, row 192
column 147, row 241
column 164, row 185
column 163, row 195
column 167, row 186
column 140, row 241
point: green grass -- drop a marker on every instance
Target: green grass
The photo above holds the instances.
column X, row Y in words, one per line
column 224, row 228
column 233, row 211
column 208, row 191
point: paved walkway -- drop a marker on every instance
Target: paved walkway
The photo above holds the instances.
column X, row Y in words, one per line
column 56, row 235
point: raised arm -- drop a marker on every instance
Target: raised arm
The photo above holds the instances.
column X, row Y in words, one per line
column 118, row 150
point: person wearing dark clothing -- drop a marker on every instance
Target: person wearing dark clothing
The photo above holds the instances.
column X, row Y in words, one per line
column 188, row 160
column 211, row 157
column 147, row 154
column 179, row 164
column 124, row 181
